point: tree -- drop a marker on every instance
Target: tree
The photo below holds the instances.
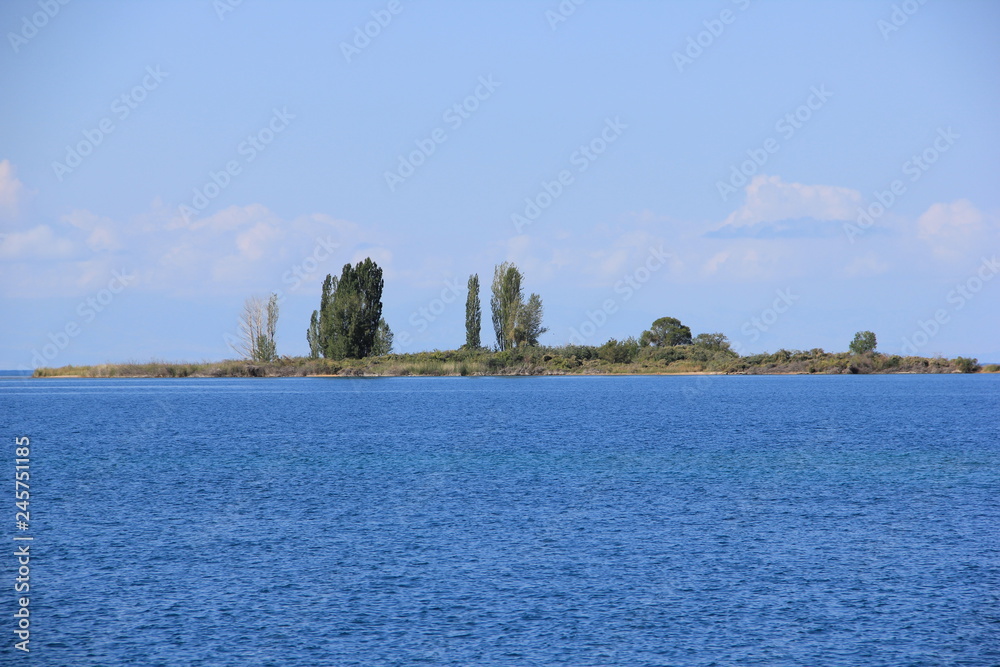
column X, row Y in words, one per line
column 383, row 339
column 515, row 322
column 473, row 315
column 350, row 311
column 312, row 336
column 528, row 323
column 967, row 365
column 325, row 332
column 666, row 331
column 267, row 349
column 505, row 303
column 863, row 343
column 257, row 329
column 712, row 341
column 370, row 285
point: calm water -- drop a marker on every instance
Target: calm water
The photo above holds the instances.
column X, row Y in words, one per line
column 520, row 521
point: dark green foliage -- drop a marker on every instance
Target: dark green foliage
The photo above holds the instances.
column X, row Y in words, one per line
column 325, row 321
column 967, row 365
column 350, row 311
column 666, row 331
column 473, row 315
column 370, row 285
column 864, row 342
column 711, row 341
column 623, row 352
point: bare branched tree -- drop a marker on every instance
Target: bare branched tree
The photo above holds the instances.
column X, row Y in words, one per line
column 257, row 328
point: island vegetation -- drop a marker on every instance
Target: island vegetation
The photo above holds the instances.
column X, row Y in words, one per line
column 347, row 336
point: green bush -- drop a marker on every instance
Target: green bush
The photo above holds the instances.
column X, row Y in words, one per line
column 619, row 353
column 966, row 365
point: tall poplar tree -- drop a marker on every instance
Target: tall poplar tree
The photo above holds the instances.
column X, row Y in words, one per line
column 312, row 336
column 505, row 303
column 473, row 315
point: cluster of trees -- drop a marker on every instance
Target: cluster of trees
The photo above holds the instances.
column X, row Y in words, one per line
column 517, row 321
column 349, row 323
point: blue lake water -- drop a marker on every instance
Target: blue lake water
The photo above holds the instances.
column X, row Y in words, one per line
column 835, row 520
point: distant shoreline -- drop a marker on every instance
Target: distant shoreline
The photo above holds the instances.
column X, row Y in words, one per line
column 569, row 361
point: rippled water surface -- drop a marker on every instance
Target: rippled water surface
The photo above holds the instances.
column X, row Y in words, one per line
column 511, row 521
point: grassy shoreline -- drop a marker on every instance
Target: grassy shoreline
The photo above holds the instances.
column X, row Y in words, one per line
column 568, row 360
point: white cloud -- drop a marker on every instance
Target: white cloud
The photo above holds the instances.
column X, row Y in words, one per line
column 241, row 249
column 37, row 243
column 11, row 190
column 101, row 232
column 715, row 262
column 957, row 219
column 769, row 199
column 954, row 230
column 255, row 242
column 865, row 266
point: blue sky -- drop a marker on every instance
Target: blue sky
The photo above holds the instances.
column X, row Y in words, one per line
column 784, row 173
